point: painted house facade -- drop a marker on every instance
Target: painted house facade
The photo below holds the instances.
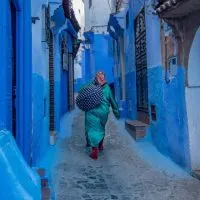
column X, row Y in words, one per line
column 160, row 85
column 18, row 181
column 54, row 37
column 187, row 37
column 15, row 79
column 97, row 40
column 38, row 48
column 117, row 29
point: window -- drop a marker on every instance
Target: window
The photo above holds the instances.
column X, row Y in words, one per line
column 90, row 3
column 45, row 24
column 171, row 70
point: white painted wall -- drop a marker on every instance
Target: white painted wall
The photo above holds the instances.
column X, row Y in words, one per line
column 78, row 7
column 193, row 113
column 194, row 62
column 97, row 15
column 40, row 69
column 113, row 5
column 192, row 101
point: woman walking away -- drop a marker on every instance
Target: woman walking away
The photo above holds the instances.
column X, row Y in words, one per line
column 96, row 118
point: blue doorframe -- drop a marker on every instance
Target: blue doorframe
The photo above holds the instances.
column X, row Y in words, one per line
column 23, row 73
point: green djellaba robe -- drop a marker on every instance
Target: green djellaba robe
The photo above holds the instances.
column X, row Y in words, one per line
column 95, row 119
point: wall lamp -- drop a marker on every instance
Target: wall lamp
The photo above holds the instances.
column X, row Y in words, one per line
column 34, row 19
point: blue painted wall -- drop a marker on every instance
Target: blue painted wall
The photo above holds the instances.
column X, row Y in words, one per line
column 79, row 83
column 23, row 59
column 40, row 87
column 40, row 53
column 61, row 78
column 18, row 181
column 130, row 68
column 87, row 66
column 65, row 30
column 40, row 140
column 169, row 132
column 103, row 55
column 99, row 57
column 127, row 106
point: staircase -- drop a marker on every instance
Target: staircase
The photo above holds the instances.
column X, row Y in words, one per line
column 45, row 188
column 136, row 129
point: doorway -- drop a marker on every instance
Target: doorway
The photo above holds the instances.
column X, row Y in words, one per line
column 141, row 67
column 13, row 66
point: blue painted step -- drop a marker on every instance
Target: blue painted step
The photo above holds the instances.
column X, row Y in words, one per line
column 18, row 180
column 136, row 129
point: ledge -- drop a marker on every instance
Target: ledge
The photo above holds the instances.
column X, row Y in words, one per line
column 177, row 8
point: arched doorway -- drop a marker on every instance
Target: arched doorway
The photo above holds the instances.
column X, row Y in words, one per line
column 192, row 92
column 13, row 66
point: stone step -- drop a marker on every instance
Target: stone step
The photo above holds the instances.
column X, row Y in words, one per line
column 45, row 190
column 46, row 193
column 136, row 129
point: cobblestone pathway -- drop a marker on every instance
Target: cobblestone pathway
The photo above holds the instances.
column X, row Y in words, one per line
column 120, row 173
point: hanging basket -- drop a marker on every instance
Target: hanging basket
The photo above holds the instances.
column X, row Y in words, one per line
column 89, row 97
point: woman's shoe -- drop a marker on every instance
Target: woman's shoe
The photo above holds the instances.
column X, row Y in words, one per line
column 94, row 153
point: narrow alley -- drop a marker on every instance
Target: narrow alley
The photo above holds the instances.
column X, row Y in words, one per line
column 121, row 172
column 64, row 64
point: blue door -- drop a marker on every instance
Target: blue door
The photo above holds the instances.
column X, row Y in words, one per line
column 11, row 69
column 14, row 73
